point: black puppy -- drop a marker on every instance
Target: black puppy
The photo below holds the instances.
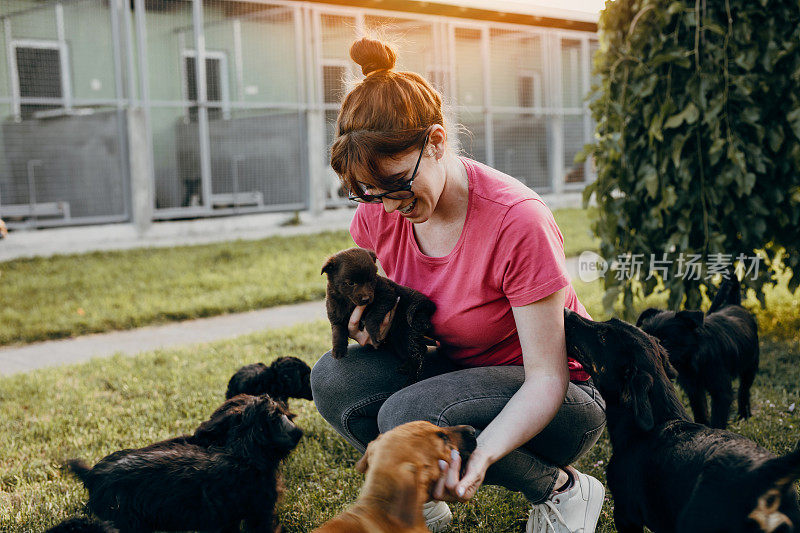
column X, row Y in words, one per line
column 177, row 486
column 286, row 377
column 353, row 280
column 81, row 525
column 710, row 352
column 666, row 472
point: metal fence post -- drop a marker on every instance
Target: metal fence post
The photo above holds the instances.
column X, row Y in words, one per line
column 142, row 184
column 487, row 95
column 556, row 129
column 202, row 102
column 586, row 67
column 315, row 118
column 144, row 176
column 114, row 8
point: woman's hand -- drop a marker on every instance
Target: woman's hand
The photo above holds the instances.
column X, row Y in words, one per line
column 360, row 335
column 450, row 488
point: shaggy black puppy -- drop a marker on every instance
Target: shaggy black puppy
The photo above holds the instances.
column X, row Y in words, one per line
column 353, row 280
column 286, row 377
column 710, row 352
column 178, row 486
column 81, row 525
column 666, row 472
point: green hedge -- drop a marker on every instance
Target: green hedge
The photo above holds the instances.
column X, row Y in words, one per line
column 698, row 137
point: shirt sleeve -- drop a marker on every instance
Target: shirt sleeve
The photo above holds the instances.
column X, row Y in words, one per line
column 530, row 252
column 359, row 229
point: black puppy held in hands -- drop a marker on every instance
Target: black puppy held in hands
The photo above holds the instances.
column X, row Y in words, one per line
column 353, row 280
column 710, row 351
column 666, row 472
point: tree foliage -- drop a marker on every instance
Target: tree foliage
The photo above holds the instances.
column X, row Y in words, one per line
column 697, row 142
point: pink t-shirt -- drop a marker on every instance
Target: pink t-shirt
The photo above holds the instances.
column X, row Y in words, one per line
column 510, row 253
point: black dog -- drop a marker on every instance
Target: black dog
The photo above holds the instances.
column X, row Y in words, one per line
column 176, row 486
column 81, row 525
column 710, row 352
column 666, row 472
column 353, row 280
column 286, row 377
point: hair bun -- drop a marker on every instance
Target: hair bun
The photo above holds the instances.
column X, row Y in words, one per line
column 372, row 55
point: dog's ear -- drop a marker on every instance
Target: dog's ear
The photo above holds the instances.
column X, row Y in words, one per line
column 268, row 382
column 647, row 313
column 781, row 471
column 774, row 477
column 330, row 265
column 693, row 318
column 639, row 389
column 404, row 504
column 217, row 429
column 665, row 362
column 373, row 255
column 363, row 463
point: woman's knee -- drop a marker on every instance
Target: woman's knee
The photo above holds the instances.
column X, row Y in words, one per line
column 361, row 377
column 324, row 383
column 406, row 405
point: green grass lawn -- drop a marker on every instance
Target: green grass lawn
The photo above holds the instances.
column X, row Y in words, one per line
column 92, row 409
column 63, row 296
column 47, row 298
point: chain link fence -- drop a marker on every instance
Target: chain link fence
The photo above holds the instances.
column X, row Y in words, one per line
column 254, row 135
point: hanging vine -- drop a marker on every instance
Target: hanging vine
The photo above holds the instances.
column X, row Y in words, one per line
column 697, row 143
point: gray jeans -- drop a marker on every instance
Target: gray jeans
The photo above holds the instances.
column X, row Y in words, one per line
column 363, row 395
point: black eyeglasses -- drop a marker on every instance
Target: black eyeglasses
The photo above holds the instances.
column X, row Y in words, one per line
column 402, row 193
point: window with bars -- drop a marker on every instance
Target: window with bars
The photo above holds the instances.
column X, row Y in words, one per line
column 333, row 83
column 529, row 89
column 213, row 86
column 39, row 72
column 438, row 78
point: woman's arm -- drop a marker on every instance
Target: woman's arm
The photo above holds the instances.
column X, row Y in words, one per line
column 540, row 327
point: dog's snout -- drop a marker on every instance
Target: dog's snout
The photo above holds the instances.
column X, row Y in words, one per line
column 467, row 442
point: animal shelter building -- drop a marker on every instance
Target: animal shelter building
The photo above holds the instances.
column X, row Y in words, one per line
column 147, row 110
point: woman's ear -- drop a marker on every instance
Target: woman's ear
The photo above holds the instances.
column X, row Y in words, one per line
column 437, row 141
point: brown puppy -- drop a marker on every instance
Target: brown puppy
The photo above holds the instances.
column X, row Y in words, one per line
column 353, row 280
column 402, row 468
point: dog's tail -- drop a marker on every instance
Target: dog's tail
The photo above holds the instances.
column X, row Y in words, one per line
column 79, row 468
column 729, row 293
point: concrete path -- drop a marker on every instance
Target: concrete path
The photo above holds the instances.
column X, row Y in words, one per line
column 14, row 360
column 62, row 352
column 82, row 239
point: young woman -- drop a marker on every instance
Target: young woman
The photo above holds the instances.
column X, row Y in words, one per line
column 487, row 251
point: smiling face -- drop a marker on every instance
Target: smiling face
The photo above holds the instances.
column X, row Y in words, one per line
column 428, row 183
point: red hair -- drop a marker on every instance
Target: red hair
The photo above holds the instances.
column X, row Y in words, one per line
column 384, row 115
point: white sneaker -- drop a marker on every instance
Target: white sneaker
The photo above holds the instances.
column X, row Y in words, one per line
column 437, row 515
column 576, row 510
